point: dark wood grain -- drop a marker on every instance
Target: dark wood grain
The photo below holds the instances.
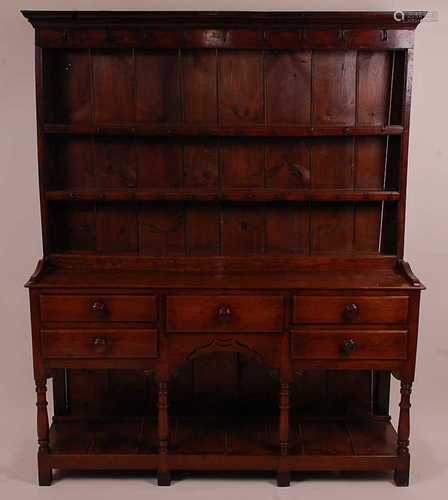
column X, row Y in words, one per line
column 161, row 230
column 159, row 164
column 223, row 204
column 117, row 230
column 332, row 228
column 288, row 164
column 157, row 98
column 81, row 308
column 241, row 88
column 322, row 344
column 99, row 343
column 333, row 88
column 67, row 155
column 242, row 230
column 367, row 227
column 288, row 98
column 333, row 309
column 67, row 86
column 242, row 164
column 287, row 230
column 200, row 165
column 98, row 18
column 370, row 158
column 199, row 89
column 204, row 313
column 115, row 165
column 112, row 80
column 140, row 129
column 202, row 231
column 72, row 228
column 332, row 163
column 374, row 74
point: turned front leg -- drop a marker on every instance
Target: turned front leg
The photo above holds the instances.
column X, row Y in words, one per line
column 283, row 474
column 163, row 476
column 404, row 426
column 44, row 470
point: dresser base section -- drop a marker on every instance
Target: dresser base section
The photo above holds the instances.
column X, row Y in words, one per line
column 223, row 444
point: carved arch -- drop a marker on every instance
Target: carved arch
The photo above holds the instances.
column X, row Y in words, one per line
column 226, row 345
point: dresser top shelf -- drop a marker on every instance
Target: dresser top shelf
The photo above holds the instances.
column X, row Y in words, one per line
column 318, row 273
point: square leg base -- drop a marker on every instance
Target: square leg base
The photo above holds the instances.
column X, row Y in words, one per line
column 283, row 478
column 401, row 477
column 163, row 478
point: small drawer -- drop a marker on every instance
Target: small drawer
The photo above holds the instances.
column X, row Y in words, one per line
column 349, row 344
column 98, row 308
column 347, row 309
column 81, row 344
column 225, row 313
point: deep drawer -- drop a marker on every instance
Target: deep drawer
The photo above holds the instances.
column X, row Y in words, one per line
column 348, row 309
column 71, row 343
column 98, row 308
column 349, row 344
column 225, row 313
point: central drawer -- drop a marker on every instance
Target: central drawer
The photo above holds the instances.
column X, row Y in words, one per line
column 225, row 313
column 98, row 308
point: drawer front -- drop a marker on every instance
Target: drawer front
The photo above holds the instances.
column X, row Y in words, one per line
column 225, row 313
column 348, row 309
column 71, row 343
column 98, row 308
column 349, row 344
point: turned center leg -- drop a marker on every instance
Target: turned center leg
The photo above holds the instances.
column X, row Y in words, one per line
column 163, row 475
column 283, row 473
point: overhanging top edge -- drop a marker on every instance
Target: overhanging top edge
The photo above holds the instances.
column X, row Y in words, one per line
column 382, row 19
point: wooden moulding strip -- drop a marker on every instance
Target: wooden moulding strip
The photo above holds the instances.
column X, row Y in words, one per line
column 243, row 195
column 192, row 130
column 222, row 462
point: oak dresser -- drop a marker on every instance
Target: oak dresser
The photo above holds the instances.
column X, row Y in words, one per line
column 223, row 210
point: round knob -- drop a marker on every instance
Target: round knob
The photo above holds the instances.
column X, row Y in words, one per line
column 100, row 344
column 224, row 313
column 99, row 307
column 348, row 347
column 65, row 36
column 351, row 311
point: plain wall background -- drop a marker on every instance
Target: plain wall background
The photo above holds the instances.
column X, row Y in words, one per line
column 21, row 246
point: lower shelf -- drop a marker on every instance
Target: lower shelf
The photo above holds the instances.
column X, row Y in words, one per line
column 216, row 443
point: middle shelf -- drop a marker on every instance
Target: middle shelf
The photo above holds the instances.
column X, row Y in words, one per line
column 243, row 168
column 210, row 130
column 239, row 195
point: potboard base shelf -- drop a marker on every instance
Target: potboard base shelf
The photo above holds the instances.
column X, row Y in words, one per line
column 226, row 445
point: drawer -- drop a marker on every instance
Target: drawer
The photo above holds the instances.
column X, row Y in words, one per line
column 225, row 313
column 350, row 309
column 349, row 344
column 98, row 308
column 72, row 343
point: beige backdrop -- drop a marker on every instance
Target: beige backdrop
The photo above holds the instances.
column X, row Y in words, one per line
column 20, row 247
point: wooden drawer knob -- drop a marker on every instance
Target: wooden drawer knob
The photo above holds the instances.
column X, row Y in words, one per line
column 351, row 311
column 100, row 344
column 348, row 347
column 224, row 313
column 99, row 308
